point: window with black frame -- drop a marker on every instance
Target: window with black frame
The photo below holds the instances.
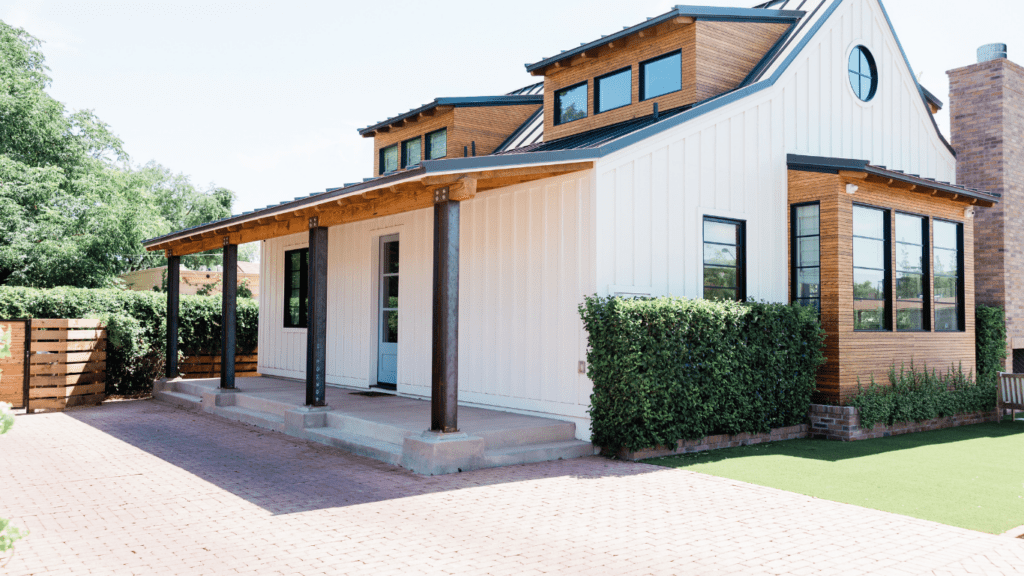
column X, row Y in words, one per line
column 571, row 103
column 806, row 227
column 871, row 295
column 948, row 256
column 296, row 299
column 437, row 144
column 411, row 152
column 613, row 90
column 724, row 259
column 911, row 272
column 388, row 159
column 661, row 75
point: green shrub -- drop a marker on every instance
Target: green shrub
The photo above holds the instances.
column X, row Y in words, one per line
column 990, row 328
column 666, row 369
column 136, row 326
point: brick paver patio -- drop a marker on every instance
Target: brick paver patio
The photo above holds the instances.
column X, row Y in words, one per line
column 143, row 488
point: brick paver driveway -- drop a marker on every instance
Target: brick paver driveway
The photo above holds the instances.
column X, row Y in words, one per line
column 142, row 488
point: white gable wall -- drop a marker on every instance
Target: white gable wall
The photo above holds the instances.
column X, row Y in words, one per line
column 526, row 261
column 731, row 162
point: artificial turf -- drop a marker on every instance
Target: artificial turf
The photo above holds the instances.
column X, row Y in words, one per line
column 971, row 476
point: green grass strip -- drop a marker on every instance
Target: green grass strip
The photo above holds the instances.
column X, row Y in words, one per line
column 971, row 476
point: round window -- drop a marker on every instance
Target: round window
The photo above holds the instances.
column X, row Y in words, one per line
column 863, row 73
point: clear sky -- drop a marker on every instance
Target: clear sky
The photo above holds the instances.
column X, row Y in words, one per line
column 265, row 97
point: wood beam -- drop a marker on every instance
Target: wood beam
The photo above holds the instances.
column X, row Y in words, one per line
column 683, row 20
column 853, row 175
column 464, row 189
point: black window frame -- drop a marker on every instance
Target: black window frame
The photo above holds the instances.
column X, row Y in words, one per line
column 303, row 288
column 427, row 152
column 597, row 89
column 887, row 325
column 926, row 266
column 961, row 288
column 642, row 74
column 380, row 158
column 558, row 103
column 794, row 253
column 404, row 160
column 872, row 73
column 741, row 255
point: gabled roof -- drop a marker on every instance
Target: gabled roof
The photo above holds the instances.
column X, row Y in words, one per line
column 710, row 13
column 465, row 102
column 827, row 165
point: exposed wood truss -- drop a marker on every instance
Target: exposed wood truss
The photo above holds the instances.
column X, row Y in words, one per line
column 385, row 201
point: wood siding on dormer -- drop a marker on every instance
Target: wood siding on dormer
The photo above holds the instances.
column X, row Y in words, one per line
column 488, row 126
column 716, row 58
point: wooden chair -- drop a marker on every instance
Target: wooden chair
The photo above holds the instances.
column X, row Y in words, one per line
column 1011, row 394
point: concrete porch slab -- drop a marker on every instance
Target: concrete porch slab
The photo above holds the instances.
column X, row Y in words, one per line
column 389, row 428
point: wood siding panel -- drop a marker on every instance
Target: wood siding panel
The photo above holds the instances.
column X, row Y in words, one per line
column 728, row 51
column 488, row 126
column 860, row 356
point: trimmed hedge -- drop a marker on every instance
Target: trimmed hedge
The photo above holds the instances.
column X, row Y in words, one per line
column 915, row 396
column 666, row 369
column 136, row 326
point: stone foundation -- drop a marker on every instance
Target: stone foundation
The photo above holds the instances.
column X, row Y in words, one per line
column 716, row 442
column 843, row 423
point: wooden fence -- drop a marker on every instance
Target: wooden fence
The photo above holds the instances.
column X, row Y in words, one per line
column 208, row 365
column 67, row 361
column 13, row 384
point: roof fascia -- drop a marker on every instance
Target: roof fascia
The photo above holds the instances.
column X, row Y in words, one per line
column 461, row 102
column 701, row 12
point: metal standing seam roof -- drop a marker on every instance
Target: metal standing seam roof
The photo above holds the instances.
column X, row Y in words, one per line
column 472, row 101
column 828, row 165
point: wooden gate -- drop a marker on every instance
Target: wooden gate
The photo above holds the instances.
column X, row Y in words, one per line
column 13, row 362
column 67, row 363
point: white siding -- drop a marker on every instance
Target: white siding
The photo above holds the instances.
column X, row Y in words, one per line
column 651, row 197
column 525, row 264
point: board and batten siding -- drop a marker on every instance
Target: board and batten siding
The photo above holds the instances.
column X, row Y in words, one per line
column 525, row 264
column 651, row 197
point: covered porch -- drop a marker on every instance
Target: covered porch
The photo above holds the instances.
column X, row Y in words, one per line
column 382, row 426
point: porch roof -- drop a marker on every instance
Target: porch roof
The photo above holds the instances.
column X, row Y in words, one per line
column 911, row 182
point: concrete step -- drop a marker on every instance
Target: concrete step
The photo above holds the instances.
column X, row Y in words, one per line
column 260, row 404
column 179, row 399
column 542, row 434
column 254, row 417
column 191, row 387
column 356, row 426
column 539, row 453
column 357, row 444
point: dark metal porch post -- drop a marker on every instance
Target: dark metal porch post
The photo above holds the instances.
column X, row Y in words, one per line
column 316, row 316
column 444, row 393
column 173, row 275
column 228, row 315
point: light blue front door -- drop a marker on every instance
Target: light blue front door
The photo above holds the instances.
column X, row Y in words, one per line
column 387, row 337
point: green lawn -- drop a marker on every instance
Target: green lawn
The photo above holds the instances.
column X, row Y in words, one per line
column 972, row 476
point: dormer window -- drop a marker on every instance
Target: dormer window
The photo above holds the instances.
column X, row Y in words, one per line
column 613, row 90
column 411, row 152
column 571, row 103
column 389, row 159
column 437, row 144
column 661, row 75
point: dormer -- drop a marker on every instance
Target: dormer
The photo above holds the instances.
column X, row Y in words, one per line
column 675, row 60
column 450, row 128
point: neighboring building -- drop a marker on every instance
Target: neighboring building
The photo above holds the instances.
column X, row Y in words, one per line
column 191, row 281
column 784, row 152
column 987, row 117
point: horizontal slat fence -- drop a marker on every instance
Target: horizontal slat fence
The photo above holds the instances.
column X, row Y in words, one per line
column 12, row 368
column 67, row 363
column 208, row 365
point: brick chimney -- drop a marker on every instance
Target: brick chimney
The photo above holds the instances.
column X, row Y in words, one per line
column 986, row 111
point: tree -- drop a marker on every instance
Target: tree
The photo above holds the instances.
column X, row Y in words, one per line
column 73, row 210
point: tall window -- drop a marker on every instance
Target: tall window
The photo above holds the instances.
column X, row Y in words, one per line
column 296, row 299
column 871, row 299
column 911, row 272
column 724, row 259
column 437, row 144
column 613, row 90
column 661, row 75
column 571, row 103
column 949, row 304
column 411, row 152
column 388, row 159
column 806, row 224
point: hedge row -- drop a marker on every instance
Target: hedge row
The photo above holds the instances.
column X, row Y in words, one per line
column 136, row 326
column 666, row 369
column 916, row 395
